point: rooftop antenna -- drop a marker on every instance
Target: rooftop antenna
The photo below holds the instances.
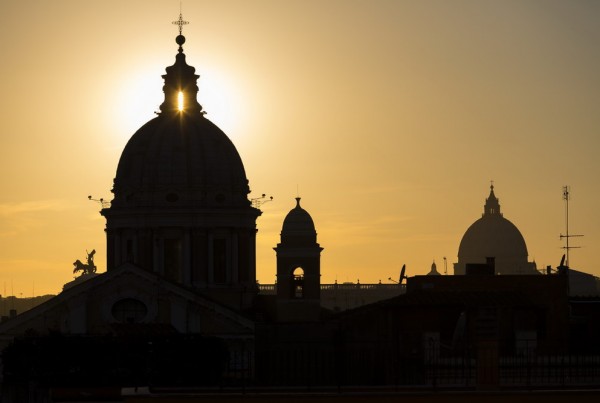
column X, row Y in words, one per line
column 567, row 247
column 259, row 201
column 101, row 201
column 402, row 274
column 445, row 265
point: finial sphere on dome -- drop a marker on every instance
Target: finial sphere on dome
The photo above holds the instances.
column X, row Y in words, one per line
column 180, row 40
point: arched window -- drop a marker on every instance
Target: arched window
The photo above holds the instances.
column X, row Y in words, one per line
column 298, row 283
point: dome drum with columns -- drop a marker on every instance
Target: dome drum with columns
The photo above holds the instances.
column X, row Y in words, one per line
column 493, row 238
column 180, row 206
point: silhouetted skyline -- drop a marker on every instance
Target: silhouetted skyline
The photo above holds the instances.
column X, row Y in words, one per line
column 388, row 118
column 179, row 307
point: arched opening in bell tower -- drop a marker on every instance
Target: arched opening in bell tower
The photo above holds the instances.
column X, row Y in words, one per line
column 298, row 283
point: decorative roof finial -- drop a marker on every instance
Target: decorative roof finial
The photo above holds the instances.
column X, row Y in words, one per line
column 180, row 40
column 180, row 22
column 180, row 86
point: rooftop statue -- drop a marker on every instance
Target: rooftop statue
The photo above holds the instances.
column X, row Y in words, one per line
column 89, row 267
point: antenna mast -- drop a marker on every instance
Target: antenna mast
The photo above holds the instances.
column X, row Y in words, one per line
column 567, row 247
column 259, row 201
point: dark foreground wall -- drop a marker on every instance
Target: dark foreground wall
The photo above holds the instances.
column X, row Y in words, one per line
column 383, row 397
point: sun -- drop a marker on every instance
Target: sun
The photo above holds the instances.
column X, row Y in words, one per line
column 221, row 99
column 140, row 96
column 137, row 100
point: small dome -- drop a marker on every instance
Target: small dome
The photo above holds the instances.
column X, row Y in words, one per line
column 298, row 224
column 180, row 160
column 433, row 271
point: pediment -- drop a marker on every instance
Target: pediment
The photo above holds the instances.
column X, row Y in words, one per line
column 129, row 294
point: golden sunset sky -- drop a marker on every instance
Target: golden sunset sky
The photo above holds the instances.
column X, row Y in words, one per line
column 389, row 118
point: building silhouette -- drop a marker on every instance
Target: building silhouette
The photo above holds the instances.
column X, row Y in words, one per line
column 179, row 305
column 494, row 238
column 298, row 268
column 180, row 207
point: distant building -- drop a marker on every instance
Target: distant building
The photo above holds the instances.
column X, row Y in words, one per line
column 433, row 271
column 582, row 284
column 342, row 296
column 494, row 237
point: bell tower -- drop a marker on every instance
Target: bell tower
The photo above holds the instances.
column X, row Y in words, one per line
column 298, row 268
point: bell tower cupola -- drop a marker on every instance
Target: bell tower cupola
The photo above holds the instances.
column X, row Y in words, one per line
column 298, row 268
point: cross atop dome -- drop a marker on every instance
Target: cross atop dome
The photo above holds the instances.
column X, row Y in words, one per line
column 180, row 86
column 180, row 40
column 180, row 23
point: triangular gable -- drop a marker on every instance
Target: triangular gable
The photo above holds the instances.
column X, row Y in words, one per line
column 121, row 282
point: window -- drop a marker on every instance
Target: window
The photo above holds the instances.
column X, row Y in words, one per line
column 298, row 283
column 129, row 310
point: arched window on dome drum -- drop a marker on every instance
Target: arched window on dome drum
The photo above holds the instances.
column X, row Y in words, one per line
column 298, row 283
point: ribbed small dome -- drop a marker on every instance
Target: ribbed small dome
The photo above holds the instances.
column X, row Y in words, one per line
column 298, row 224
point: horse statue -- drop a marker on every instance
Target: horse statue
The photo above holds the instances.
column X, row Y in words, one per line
column 88, row 268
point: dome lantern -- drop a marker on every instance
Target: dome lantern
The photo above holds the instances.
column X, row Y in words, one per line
column 492, row 204
column 181, row 86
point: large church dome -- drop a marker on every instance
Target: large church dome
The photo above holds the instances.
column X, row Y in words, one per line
column 180, row 158
column 180, row 206
column 493, row 236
